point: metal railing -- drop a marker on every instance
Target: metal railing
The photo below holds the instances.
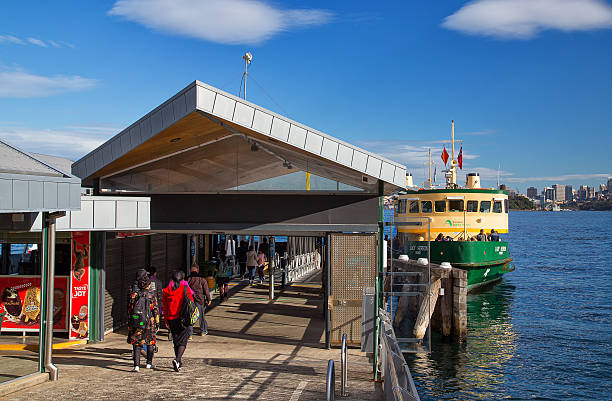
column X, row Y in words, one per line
column 299, row 266
column 397, row 380
column 330, row 387
column 343, row 365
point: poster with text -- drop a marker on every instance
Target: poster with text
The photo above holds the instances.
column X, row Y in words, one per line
column 20, row 299
column 79, row 286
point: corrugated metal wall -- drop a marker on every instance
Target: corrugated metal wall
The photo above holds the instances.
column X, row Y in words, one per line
column 126, row 255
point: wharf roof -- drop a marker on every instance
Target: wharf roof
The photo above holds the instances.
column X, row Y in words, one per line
column 205, row 140
column 31, row 184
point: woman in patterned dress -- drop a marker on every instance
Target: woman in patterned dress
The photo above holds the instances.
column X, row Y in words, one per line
column 143, row 302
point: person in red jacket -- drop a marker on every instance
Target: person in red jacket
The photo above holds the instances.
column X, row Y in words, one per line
column 172, row 299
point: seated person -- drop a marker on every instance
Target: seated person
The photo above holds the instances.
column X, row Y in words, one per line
column 448, row 238
column 440, row 237
column 481, row 236
column 494, row 236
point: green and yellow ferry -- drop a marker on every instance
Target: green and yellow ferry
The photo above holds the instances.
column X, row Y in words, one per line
column 457, row 216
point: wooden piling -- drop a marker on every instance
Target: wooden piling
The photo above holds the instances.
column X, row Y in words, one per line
column 426, row 310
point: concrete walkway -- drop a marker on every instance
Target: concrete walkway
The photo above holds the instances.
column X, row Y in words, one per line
column 255, row 350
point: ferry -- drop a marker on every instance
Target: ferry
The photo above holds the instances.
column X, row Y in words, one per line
column 461, row 223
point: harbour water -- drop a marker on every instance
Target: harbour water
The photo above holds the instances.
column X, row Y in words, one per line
column 545, row 332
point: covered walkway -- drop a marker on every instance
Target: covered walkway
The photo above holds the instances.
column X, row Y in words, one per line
column 255, row 350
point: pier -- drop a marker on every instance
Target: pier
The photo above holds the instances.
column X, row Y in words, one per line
column 447, row 292
column 255, row 350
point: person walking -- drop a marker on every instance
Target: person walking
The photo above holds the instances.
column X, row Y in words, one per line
column 143, row 321
column 261, row 263
column 201, row 297
column 173, row 298
column 158, row 288
column 223, row 277
column 251, row 263
column 242, row 258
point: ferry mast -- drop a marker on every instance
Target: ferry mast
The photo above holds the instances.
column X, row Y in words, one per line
column 451, row 173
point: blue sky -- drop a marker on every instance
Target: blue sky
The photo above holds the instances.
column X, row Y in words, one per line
column 527, row 82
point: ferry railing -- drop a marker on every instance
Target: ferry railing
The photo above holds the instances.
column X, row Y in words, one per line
column 330, row 386
column 398, row 384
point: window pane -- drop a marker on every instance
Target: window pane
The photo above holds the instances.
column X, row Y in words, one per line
column 403, row 206
column 497, row 208
column 455, row 205
column 506, row 205
column 426, row 206
column 440, row 206
column 485, row 206
column 397, row 206
column 414, row 206
column 472, row 206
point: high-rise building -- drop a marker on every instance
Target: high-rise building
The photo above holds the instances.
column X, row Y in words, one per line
column 559, row 191
column 591, row 192
column 609, row 184
column 532, row 192
column 583, row 192
column 569, row 193
column 549, row 194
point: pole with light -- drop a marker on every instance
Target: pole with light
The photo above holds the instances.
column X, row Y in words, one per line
column 248, row 57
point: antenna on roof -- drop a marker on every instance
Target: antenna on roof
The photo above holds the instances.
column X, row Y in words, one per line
column 248, row 57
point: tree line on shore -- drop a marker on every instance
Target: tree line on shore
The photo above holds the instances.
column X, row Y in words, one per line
column 524, row 203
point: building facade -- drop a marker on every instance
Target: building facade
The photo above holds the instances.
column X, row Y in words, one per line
column 532, row 192
column 559, row 192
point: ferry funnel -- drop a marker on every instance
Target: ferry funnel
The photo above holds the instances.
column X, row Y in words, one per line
column 472, row 180
column 409, row 183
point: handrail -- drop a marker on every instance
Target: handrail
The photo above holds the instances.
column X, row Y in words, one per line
column 344, row 376
column 330, row 393
column 398, row 384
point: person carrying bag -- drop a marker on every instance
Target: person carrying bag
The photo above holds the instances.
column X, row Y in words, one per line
column 180, row 310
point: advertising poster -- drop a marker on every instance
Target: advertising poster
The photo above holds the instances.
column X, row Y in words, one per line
column 79, row 286
column 20, row 301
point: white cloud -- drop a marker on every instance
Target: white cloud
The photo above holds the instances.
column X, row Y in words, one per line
column 412, row 156
column 221, row 21
column 34, row 41
column 11, row 39
column 524, row 19
column 65, row 142
column 21, row 84
column 485, row 132
column 37, row 42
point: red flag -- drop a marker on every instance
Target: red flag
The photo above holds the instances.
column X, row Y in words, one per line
column 444, row 156
column 460, row 158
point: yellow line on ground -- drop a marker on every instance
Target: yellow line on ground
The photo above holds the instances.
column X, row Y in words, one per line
column 34, row 347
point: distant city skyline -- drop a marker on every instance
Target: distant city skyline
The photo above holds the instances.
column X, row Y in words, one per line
column 528, row 87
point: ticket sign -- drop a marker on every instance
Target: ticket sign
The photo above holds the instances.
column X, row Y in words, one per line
column 20, row 300
column 79, row 286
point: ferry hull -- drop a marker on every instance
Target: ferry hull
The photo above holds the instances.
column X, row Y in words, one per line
column 485, row 261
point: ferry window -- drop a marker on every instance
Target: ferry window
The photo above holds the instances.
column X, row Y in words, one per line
column 414, row 206
column 472, row 206
column 506, row 205
column 497, row 207
column 455, row 205
column 485, row 206
column 440, row 206
column 426, row 206
column 400, row 206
